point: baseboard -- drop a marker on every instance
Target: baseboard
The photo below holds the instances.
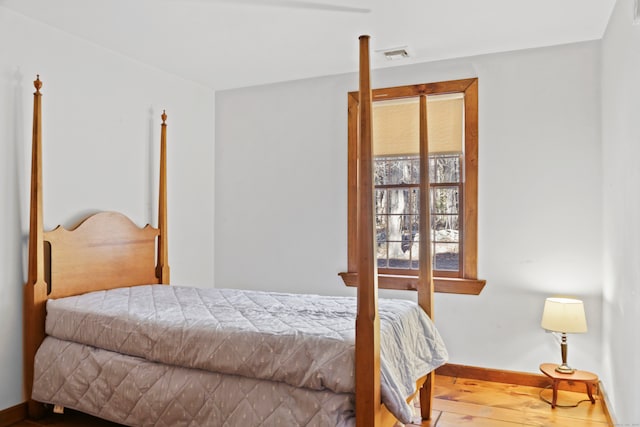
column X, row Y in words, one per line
column 507, row 377
column 13, row 415
column 606, row 404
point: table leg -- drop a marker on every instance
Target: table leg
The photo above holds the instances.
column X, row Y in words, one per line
column 589, row 387
column 555, row 394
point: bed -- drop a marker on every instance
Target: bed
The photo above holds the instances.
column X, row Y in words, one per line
column 105, row 335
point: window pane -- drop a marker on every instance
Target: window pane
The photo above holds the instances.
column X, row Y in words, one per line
column 447, row 256
column 397, row 211
column 399, row 201
column 399, row 255
column 445, row 228
column 414, row 194
column 396, row 170
column 381, row 228
column 444, row 200
column 382, row 254
column 381, row 202
column 397, row 230
column 444, row 168
column 379, row 172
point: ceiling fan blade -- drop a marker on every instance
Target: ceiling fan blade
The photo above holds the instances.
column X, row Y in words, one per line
column 298, row 4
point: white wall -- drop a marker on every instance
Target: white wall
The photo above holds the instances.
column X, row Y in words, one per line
column 621, row 151
column 539, row 208
column 281, row 196
column 101, row 141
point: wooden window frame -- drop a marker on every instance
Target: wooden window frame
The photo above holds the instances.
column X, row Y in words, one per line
column 466, row 282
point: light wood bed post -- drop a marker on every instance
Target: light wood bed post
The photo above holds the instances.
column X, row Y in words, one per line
column 425, row 275
column 35, row 290
column 162, row 269
column 368, row 410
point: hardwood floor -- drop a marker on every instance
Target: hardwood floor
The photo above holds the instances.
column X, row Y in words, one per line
column 477, row 403
column 458, row 402
column 68, row 419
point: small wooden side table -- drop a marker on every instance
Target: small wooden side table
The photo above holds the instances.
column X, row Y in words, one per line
column 590, row 380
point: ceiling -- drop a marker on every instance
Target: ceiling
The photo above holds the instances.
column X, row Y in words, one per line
column 235, row 43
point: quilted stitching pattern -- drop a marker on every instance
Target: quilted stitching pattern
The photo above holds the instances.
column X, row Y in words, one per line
column 300, row 339
column 137, row 392
column 254, row 334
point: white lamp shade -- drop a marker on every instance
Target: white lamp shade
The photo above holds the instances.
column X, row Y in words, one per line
column 564, row 315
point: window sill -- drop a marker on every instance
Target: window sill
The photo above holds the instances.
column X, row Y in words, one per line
column 447, row 285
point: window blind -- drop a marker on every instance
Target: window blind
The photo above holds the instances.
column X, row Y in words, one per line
column 396, row 125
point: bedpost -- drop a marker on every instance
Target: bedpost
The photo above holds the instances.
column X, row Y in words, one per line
column 35, row 290
column 367, row 321
column 162, row 269
column 425, row 275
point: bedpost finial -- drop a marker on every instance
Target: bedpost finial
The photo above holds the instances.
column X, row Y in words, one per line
column 164, row 116
column 37, row 83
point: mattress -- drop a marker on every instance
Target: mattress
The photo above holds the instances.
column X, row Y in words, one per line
column 139, row 393
column 301, row 340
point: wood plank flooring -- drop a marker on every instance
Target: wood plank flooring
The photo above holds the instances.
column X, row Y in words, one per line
column 458, row 402
column 465, row 402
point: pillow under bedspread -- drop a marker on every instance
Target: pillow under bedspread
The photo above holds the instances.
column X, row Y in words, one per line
column 301, row 339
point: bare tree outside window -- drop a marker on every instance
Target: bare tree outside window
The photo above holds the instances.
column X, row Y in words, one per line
column 397, row 182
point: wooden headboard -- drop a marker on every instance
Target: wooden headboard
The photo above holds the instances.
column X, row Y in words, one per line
column 104, row 251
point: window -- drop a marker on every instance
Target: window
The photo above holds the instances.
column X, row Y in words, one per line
column 397, row 192
column 452, row 109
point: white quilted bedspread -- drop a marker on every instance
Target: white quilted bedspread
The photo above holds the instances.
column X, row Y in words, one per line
column 135, row 392
column 301, row 340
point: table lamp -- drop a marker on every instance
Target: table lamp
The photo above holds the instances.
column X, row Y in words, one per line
column 564, row 315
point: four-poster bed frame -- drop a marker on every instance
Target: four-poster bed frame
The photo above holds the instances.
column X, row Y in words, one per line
column 368, row 410
column 107, row 250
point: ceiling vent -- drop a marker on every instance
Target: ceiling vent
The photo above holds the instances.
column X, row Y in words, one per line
column 395, row 53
